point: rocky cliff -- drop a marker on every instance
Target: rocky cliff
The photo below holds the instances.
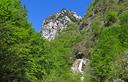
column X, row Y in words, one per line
column 55, row 23
column 97, row 46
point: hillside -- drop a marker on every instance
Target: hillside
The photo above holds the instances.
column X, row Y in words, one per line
column 99, row 40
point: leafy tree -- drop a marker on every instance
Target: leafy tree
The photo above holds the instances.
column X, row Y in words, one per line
column 22, row 51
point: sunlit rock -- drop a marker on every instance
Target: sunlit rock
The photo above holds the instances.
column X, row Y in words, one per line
column 55, row 23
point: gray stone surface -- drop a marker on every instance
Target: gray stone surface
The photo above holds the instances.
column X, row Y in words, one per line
column 55, row 23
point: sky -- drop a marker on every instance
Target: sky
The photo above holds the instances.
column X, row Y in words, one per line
column 38, row 10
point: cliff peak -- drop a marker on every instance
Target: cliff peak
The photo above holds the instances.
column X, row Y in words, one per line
column 55, row 23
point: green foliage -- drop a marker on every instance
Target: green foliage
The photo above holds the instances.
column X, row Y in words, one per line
column 12, row 12
column 108, row 59
column 59, row 54
column 123, row 18
column 22, row 51
column 106, row 46
column 103, row 57
column 110, row 17
column 25, row 56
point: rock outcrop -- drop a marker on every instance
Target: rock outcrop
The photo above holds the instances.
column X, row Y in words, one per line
column 55, row 23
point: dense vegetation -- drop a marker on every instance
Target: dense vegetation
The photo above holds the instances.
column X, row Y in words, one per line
column 22, row 51
column 25, row 56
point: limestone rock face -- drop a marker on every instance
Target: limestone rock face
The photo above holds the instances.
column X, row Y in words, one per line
column 55, row 23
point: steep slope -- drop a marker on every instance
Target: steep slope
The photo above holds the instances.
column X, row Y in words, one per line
column 101, row 37
column 55, row 23
column 105, row 28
